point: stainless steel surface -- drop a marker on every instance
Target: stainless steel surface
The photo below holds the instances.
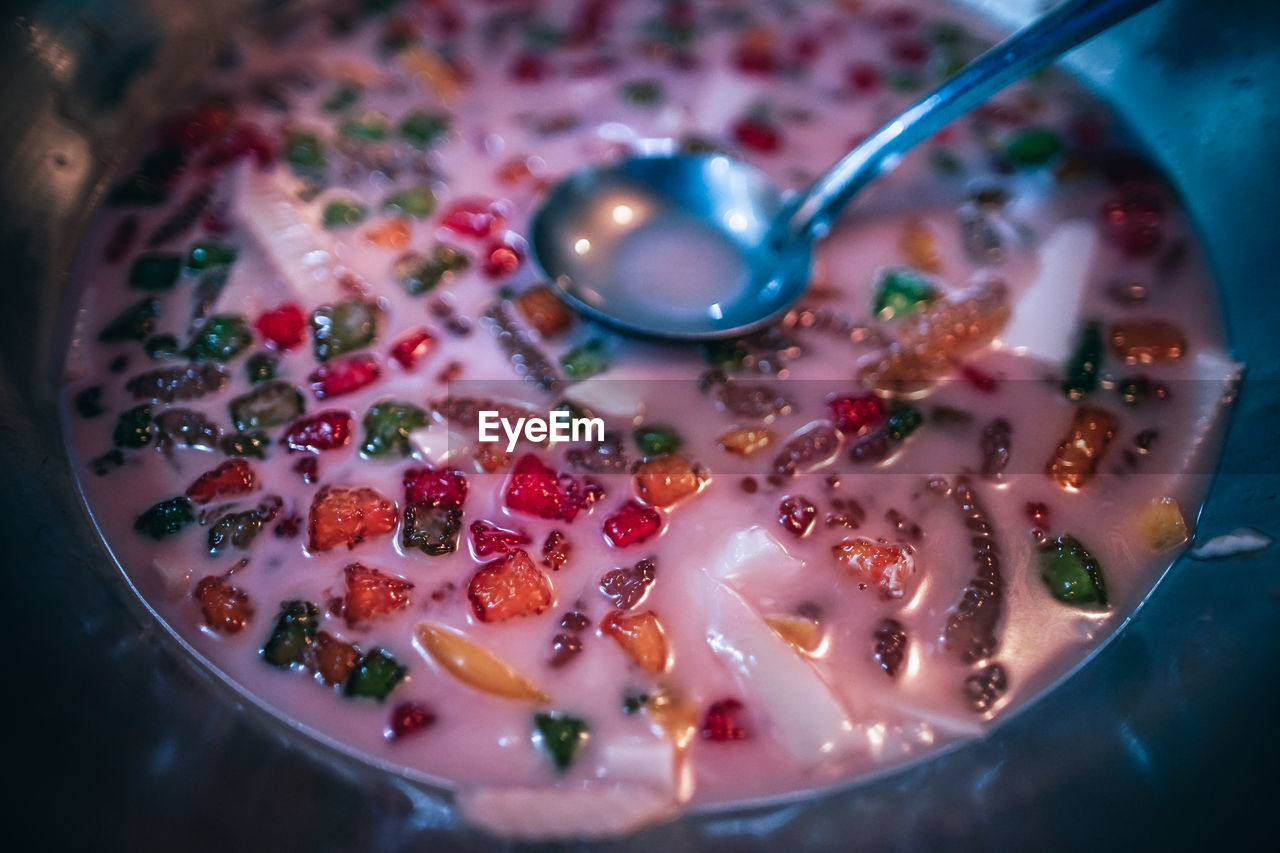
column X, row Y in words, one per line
column 1165, row 739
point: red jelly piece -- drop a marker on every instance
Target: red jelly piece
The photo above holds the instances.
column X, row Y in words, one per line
column 528, row 68
column 755, row 59
column 633, row 522
column 857, row 415
column 228, row 480
column 326, row 430
column 284, row 327
column 535, row 489
column 411, row 347
column 501, row 258
column 245, row 140
column 488, row 539
column 308, row 469
column 371, row 594
column 474, row 218
column 409, row 718
column 863, row 77
column 758, row 135
column 344, row 375
column 1134, row 222
column 724, row 721
column 440, row 487
column 910, row 51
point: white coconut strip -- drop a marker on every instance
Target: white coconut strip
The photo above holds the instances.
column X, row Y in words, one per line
column 619, row 398
column 560, row 813
column 1242, row 540
column 753, row 555
column 1044, row 320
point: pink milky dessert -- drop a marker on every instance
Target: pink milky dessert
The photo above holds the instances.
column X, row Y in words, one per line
column 792, row 560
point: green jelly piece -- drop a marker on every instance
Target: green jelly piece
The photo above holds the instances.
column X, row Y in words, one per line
column 726, row 355
column 344, row 327
column 262, row 367
column 203, row 256
column 133, row 428
column 900, row 291
column 235, row 529
column 293, row 634
column 656, row 439
column 221, row 338
column 573, row 410
column 944, row 161
column 1138, row 389
column 588, row 359
column 561, row 735
column 1034, row 148
column 371, row 126
column 420, row 274
column 268, row 405
column 343, row 213
column 165, row 518
column 162, row 346
column 249, row 444
column 88, row 402
column 305, row 152
column 642, row 92
column 904, row 81
column 387, row 426
column 133, row 323
column 1085, row 362
column 903, row 420
column 431, row 529
column 417, row 202
column 424, row 129
column 1071, row 573
column 342, row 97
column 375, row 676
column 155, row 271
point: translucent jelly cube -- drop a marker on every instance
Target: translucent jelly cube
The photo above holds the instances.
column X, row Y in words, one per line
column 1160, row 524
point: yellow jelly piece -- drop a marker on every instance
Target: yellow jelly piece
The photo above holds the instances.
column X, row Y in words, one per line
column 804, row 634
column 474, row 665
column 1161, row 525
column 920, row 247
column 745, row 441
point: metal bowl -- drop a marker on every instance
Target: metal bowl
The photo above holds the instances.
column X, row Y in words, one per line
column 1166, row 737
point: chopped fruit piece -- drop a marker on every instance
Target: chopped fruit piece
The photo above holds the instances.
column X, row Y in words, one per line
column 202, row 256
column 221, row 339
column 305, row 152
column 1076, row 458
column 800, row 631
column 474, row 665
column 411, row 347
column 333, row 659
column 657, row 439
column 424, row 129
column 900, row 291
column 371, row 593
column 431, row 529
column 745, row 441
column 344, row 327
column 226, row 608
column 890, row 645
column 342, row 213
column 375, row 676
column 284, row 327
column 261, row 367
column 245, row 444
column 344, row 375
column 920, row 247
column 415, row 202
column 664, row 481
column 1085, row 363
column 489, row 539
column 387, row 426
column 1071, row 573
column 628, row 587
column 857, row 415
column 903, row 420
column 474, row 218
column 134, row 323
column 533, row 488
column 631, row 524
column 165, row 518
column 239, row 529
column 561, row 736
column 420, row 273
column 723, row 722
column 293, row 634
column 442, row 487
column 1161, row 525
column 228, row 480
column 1033, row 148
column 880, row 563
column 341, row 516
column 640, row 636
column 545, row 311
column 155, row 271
column 327, row 430
column 1147, row 342
column 555, row 550
column 585, row 360
column 797, row 516
column 270, row 404
column 409, row 718
column 508, row 587
column 133, row 428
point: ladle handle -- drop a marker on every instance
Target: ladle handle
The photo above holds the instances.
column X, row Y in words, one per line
column 1039, row 43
